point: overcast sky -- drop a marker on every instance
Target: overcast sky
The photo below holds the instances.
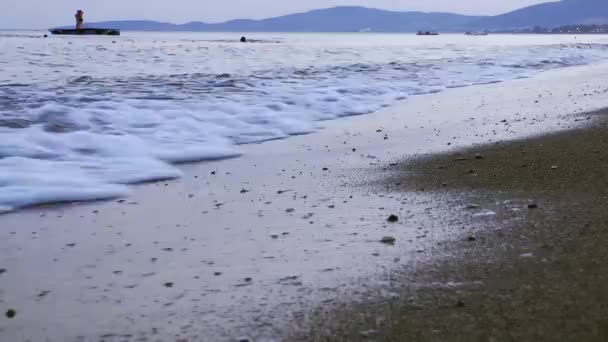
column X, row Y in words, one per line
column 48, row 13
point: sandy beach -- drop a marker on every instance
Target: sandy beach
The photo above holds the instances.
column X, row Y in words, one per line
column 284, row 242
column 531, row 266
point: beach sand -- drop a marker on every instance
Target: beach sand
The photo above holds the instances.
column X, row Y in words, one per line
column 531, row 268
column 252, row 247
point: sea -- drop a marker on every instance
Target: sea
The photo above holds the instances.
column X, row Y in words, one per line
column 81, row 118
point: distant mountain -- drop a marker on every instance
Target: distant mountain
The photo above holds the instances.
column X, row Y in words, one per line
column 552, row 14
column 355, row 19
column 337, row 19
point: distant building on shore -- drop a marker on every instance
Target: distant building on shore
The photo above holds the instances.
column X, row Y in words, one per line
column 567, row 29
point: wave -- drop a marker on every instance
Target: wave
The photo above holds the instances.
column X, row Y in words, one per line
column 88, row 136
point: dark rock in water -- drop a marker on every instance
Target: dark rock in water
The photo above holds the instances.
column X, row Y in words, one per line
column 244, row 339
column 325, row 169
column 472, row 238
column 532, row 206
column 472, row 206
column 168, row 284
column 11, row 313
column 274, row 236
column 479, row 156
column 393, row 218
column 248, row 279
column 243, row 39
column 217, row 274
column 290, row 210
column 46, row 36
column 2, row 270
column 459, row 304
column 388, row 240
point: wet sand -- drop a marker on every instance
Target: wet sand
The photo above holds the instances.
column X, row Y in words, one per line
column 249, row 247
column 532, row 266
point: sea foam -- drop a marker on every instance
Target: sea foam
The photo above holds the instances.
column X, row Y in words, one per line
column 72, row 131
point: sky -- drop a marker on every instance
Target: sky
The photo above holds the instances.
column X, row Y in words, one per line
column 40, row 14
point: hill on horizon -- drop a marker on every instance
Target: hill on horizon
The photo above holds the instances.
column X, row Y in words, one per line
column 355, row 19
column 336, row 19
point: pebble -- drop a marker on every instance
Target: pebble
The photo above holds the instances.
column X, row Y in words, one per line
column 393, row 218
column 388, row 240
column 43, row 293
column 368, row 333
column 11, row 313
column 479, row 156
column 459, row 304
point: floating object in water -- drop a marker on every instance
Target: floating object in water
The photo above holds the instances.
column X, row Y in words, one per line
column 86, row 31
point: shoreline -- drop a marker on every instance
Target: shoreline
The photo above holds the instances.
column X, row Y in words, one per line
column 243, row 247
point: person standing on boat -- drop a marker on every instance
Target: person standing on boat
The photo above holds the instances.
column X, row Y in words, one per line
column 79, row 19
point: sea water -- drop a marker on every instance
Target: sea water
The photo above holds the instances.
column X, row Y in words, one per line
column 82, row 117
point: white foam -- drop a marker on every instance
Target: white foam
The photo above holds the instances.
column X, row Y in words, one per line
column 112, row 121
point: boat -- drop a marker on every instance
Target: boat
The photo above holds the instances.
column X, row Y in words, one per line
column 427, row 33
column 86, row 31
column 476, row 33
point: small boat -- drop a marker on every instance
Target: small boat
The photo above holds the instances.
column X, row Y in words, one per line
column 86, row 31
column 427, row 33
column 476, row 33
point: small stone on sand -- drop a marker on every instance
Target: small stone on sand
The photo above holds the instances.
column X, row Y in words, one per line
column 11, row 313
column 388, row 240
column 393, row 218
